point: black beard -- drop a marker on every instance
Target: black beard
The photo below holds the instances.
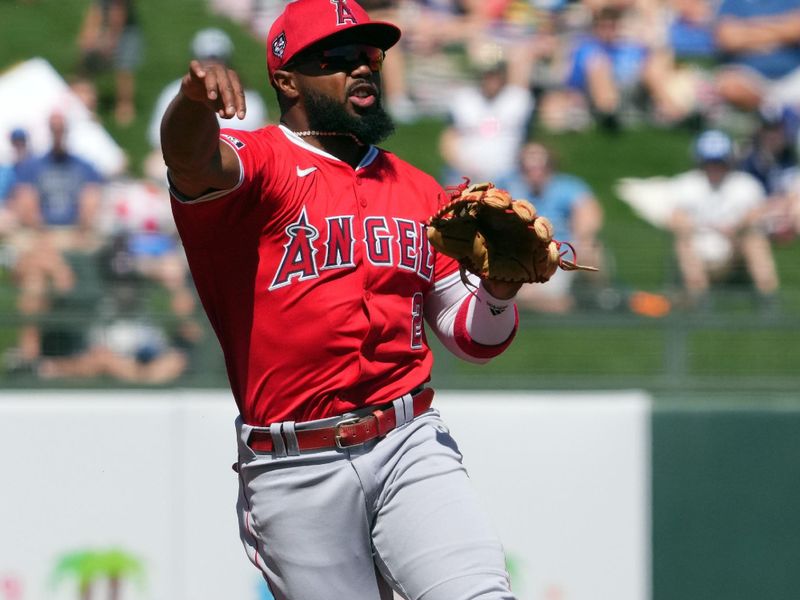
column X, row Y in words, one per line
column 325, row 114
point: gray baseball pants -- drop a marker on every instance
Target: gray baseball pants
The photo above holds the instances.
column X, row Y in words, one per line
column 342, row 524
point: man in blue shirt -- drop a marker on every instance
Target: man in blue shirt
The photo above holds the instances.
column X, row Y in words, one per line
column 56, row 200
column 577, row 218
column 760, row 42
column 58, row 189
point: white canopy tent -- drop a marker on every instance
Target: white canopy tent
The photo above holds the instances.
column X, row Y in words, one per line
column 29, row 93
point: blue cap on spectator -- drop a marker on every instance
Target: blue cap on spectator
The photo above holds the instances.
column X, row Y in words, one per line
column 19, row 135
column 713, row 146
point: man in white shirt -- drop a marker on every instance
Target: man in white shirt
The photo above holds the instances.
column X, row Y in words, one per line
column 715, row 221
column 489, row 120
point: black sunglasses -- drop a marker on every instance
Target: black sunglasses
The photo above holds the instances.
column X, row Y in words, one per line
column 345, row 58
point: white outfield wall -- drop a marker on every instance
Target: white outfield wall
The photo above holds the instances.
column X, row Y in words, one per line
column 564, row 476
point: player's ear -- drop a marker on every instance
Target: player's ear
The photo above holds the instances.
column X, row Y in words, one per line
column 286, row 83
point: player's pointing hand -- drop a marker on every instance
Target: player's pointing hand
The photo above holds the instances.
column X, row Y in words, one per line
column 216, row 86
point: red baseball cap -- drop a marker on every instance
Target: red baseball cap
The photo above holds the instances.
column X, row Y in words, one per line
column 306, row 22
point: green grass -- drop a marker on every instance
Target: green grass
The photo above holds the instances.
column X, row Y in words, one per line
column 601, row 350
column 567, row 351
column 757, row 353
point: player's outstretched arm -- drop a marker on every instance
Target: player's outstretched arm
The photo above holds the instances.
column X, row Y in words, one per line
column 197, row 160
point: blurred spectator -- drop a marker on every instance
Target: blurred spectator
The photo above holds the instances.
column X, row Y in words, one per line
column 489, row 121
column 9, row 174
column 130, row 351
column 111, row 38
column 123, row 342
column 772, row 159
column 397, row 96
column 7, row 179
column 760, row 42
column 211, row 45
column 612, row 76
column 59, row 190
column 715, row 222
column 690, row 30
column 436, row 34
column 19, row 142
column 142, row 232
column 688, row 59
column 86, row 91
column 56, row 201
column 577, row 218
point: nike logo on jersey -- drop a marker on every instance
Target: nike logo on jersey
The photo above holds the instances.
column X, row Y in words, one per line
column 304, row 172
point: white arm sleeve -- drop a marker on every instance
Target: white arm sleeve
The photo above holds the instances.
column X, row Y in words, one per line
column 475, row 326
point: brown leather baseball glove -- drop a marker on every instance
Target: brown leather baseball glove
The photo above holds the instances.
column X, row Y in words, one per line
column 498, row 238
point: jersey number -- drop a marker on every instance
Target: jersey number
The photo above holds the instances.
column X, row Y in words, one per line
column 416, row 321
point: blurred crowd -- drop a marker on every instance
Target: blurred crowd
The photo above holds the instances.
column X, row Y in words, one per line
column 501, row 71
column 77, row 240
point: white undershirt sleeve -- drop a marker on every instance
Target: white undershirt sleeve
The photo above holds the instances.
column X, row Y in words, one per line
column 470, row 322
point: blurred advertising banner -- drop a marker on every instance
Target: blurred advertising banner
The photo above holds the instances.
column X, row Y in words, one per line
column 132, row 493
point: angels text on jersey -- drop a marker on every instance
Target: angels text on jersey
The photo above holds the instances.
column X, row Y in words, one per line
column 386, row 242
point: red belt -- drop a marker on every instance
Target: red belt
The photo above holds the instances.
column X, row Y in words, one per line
column 347, row 432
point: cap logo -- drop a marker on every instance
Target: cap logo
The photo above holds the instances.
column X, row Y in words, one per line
column 343, row 13
column 279, row 45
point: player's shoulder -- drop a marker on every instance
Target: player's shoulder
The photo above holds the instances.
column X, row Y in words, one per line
column 239, row 138
column 259, row 150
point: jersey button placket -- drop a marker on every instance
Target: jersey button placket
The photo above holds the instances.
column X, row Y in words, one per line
column 362, row 199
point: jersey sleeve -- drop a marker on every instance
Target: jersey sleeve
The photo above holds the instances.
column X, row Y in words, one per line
column 256, row 161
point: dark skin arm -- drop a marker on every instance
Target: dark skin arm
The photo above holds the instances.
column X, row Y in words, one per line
column 197, row 161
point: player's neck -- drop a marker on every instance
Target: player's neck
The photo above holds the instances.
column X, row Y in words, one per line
column 344, row 146
column 344, row 149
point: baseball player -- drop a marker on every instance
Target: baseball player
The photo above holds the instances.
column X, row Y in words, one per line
column 307, row 247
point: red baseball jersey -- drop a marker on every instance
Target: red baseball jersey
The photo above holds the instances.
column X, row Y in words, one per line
column 313, row 275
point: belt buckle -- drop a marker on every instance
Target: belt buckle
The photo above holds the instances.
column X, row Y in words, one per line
column 337, row 437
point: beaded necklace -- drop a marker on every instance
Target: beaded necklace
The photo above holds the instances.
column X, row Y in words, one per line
column 314, row 133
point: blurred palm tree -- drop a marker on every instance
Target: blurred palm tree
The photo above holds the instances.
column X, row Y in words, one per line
column 89, row 567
